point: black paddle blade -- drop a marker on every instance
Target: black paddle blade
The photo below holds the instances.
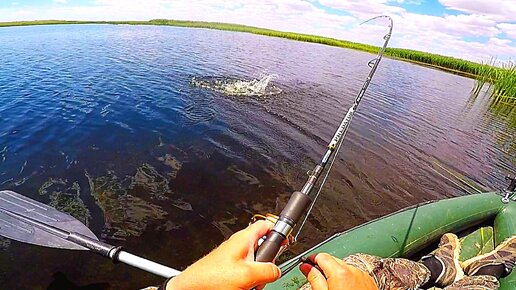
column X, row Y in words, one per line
column 28, row 221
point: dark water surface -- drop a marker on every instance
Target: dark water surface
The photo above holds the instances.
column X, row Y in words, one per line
column 101, row 121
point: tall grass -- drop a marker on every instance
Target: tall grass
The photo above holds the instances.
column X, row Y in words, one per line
column 448, row 62
column 485, row 75
column 500, row 81
column 504, row 87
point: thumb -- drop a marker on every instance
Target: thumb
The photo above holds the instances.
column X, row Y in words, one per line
column 314, row 276
column 264, row 273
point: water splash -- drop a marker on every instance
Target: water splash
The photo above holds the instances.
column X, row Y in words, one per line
column 238, row 87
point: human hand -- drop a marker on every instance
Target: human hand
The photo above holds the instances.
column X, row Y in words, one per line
column 336, row 275
column 230, row 266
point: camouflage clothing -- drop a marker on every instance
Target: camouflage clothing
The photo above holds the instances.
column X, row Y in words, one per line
column 403, row 274
column 448, row 255
column 504, row 254
column 482, row 282
column 391, row 274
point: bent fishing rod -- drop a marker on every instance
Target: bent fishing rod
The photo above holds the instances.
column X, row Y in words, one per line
column 300, row 203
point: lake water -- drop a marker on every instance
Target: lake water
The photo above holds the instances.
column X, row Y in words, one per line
column 102, row 121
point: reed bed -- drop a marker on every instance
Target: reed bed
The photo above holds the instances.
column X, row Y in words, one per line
column 499, row 80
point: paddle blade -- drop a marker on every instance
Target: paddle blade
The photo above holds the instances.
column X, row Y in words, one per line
column 28, row 221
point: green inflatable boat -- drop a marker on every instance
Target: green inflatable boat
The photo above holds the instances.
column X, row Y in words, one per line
column 481, row 220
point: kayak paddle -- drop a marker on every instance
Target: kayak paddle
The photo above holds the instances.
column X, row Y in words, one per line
column 28, row 221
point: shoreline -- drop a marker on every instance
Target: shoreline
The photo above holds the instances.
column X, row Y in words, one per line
column 444, row 63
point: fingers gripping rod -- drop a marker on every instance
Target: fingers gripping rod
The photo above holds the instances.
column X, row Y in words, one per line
column 300, row 201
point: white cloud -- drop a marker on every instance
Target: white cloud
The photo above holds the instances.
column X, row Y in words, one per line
column 363, row 8
column 438, row 34
column 508, row 28
column 60, row 1
column 501, row 10
column 460, row 25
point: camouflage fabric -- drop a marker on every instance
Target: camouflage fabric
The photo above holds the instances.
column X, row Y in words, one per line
column 364, row 262
column 388, row 274
column 482, row 282
column 400, row 274
column 504, row 254
column 448, row 255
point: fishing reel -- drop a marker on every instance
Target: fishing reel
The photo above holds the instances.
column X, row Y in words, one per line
column 291, row 240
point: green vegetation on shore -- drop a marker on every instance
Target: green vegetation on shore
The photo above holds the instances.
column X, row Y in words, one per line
column 502, row 79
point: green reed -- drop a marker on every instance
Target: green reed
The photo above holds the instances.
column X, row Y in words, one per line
column 485, row 75
column 500, row 81
column 504, row 86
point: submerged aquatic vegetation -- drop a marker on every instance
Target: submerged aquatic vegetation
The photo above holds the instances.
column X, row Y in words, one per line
column 130, row 203
column 4, row 243
column 66, row 198
column 124, row 214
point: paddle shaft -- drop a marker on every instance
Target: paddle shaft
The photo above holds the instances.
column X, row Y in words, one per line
column 114, row 253
column 118, row 255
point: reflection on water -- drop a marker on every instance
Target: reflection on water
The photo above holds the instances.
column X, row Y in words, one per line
column 500, row 117
column 62, row 282
column 108, row 124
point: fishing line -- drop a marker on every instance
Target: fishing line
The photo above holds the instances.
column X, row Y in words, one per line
column 371, row 64
column 320, row 188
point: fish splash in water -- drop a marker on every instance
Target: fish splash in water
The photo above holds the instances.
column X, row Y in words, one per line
column 238, row 87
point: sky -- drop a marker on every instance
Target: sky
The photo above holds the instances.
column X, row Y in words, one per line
column 469, row 29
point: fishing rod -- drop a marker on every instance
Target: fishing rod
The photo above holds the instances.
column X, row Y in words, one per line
column 300, row 203
column 29, row 221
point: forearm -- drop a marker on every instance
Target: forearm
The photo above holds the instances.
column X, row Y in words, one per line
column 231, row 266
